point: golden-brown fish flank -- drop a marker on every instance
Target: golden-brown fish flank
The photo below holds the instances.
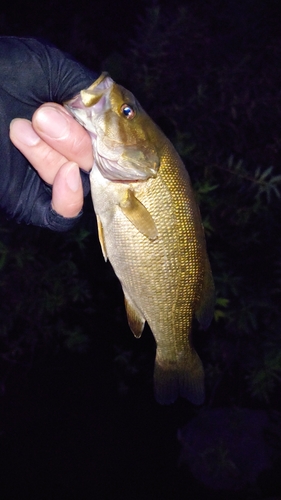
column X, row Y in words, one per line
column 150, row 230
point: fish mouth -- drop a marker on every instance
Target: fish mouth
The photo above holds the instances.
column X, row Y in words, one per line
column 91, row 103
column 103, row 76
column 99, row 80
column 91, row 96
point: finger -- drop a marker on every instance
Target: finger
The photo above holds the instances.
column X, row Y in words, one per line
column 42, row 157
column 63, row 133
column 67, row 192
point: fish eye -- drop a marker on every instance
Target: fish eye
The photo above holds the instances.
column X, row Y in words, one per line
column 128, row 111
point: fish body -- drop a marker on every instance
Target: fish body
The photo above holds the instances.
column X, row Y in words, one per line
column 150, row 230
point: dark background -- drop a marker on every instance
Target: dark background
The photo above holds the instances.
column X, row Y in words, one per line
column 78, row 417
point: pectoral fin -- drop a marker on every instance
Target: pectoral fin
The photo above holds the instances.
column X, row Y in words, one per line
column 101, row 238
column 135, row 319
column 138, row 215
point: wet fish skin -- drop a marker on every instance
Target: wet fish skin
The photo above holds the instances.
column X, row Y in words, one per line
column 150, row 230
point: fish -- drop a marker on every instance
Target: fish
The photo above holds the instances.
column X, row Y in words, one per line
column 150, row 229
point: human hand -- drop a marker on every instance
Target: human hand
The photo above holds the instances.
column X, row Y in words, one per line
column 56, row 146
column 33, row 74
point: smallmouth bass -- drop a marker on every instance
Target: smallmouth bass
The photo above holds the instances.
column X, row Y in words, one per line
column 150, row 229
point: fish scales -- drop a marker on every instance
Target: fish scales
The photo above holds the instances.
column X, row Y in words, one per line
column 151, row 232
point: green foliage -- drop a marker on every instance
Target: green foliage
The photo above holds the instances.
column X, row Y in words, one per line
column 264, row 377
column 45, row 296
column 215, row 92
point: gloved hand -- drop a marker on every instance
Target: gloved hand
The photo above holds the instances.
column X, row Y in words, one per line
column 33, row 73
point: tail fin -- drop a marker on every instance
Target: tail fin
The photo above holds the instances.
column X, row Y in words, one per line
column 184, row 378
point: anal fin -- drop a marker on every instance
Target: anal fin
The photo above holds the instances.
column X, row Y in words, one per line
column 138, row 215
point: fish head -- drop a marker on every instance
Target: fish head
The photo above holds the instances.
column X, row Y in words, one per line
column 125, row 140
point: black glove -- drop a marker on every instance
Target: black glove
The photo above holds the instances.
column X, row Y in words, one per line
column 32, row 73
